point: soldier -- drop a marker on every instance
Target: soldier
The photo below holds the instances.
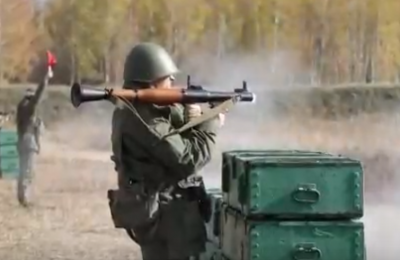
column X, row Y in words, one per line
column 160, row 201
column 29, row 128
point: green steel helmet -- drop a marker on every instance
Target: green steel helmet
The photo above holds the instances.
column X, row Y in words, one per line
column 148, row 62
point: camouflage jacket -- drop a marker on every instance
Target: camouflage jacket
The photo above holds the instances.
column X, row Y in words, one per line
column 140, row 152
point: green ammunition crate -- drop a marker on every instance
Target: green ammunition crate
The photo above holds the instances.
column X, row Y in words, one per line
column 294, row 187
column 213, row 226
column 9, row 167
column 8, row 137
column 244, row 239
column 8, row 151
column 228, row 159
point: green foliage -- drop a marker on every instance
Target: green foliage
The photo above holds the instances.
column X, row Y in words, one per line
column 18, row 35
column 84, row 30
column 338, row 41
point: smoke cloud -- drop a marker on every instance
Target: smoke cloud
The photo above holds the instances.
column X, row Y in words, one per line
column 259, row 126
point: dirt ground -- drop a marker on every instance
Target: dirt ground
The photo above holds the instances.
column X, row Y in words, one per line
column 70, row 219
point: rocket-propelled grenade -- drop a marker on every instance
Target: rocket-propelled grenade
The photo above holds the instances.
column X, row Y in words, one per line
column 160, row 96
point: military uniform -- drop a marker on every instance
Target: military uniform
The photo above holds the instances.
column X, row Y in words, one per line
column 29, row 129
column 160, row 197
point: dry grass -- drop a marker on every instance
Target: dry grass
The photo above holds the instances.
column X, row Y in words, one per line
column 70, row 220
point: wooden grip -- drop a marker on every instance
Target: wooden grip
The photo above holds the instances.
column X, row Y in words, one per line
column 152, row 95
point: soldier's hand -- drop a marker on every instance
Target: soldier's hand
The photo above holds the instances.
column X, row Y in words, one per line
column 192, row 111
column 113, row 100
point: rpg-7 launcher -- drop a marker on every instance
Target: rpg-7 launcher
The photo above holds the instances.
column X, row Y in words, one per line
column 191, row 94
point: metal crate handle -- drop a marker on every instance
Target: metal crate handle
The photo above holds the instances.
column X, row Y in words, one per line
column 306, row 251
column 306, row 193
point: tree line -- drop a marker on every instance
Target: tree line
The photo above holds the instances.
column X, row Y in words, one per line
column 333, row 41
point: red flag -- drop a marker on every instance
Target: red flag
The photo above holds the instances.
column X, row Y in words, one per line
column 51, row 59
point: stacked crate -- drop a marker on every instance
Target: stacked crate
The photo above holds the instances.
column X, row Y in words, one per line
column 283, row 205
column 9, row 159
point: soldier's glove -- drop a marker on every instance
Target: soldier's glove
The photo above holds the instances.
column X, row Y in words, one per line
column 192, row 111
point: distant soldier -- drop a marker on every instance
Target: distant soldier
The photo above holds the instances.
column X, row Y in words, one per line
column 28, row 139
column 29, row 127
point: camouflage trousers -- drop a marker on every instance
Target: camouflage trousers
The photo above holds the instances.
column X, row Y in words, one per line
column 179, row 233
column 25, row 176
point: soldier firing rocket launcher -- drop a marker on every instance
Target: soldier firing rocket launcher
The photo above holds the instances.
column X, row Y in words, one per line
column 191, row 94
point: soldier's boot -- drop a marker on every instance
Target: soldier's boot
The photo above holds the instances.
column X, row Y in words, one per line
column 24, row 193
